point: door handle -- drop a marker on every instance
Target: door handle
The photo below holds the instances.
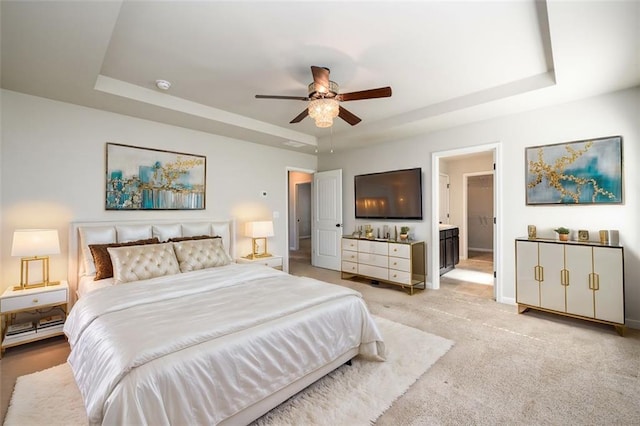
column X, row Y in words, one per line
column 338, row 225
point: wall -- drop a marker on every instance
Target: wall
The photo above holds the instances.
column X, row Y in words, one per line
column 53, row 173
column 611, row 114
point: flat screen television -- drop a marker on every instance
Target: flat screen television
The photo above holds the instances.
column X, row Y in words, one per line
column 389, row 195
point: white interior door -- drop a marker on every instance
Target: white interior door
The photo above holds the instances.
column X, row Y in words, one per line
column 326, row 219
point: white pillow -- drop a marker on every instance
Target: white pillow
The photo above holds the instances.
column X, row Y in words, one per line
column 128, row 233
column 133, row 263
column 94, row 235
column 195, row 229
column 200, row 254
column 164, row 232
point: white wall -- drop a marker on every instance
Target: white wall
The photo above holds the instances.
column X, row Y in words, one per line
column 53, row 172
column 611, row 114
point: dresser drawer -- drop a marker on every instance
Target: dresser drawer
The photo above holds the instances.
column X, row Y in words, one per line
column 373, row 271
column 375, row 247
column 350, row 267
column 273, row 262
column 29, row 301
column 373, row 259
column 400, row 250
column 348, row 244
column 400, row 277
column 350, row 256
column 400, row 264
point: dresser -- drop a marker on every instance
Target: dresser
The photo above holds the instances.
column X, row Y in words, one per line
column 578, row 279
column 394, row 262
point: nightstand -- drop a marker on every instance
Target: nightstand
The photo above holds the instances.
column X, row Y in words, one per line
column 33, row 303
column 272, row 261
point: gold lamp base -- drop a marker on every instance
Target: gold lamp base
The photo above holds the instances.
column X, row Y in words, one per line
column 255, row 255
column 24, row 273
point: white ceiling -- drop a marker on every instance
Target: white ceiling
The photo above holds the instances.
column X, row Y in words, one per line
column 448, row 63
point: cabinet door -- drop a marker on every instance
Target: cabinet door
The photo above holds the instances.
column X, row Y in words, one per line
column 609, row 295
column 442, row 251
column 527, row 288
column 456, row 250
column 552, row 292
column 448, row 249
column 579, row 295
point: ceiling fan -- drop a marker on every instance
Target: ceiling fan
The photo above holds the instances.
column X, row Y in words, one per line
column 324, row 99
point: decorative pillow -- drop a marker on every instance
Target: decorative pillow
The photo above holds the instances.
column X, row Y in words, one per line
column 94, row 235
column 195, row 237
column 166, row 232
column 200, row 254
column 102, row 260
column 133, row 263
column 128, row 233
column 191, row 229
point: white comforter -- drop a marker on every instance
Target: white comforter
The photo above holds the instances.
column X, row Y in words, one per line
column 199, row 347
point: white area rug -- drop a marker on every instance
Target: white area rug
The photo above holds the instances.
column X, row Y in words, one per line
column 355, row 395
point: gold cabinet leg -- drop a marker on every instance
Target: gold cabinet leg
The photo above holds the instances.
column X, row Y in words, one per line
column 522, row 309
column 620, row 329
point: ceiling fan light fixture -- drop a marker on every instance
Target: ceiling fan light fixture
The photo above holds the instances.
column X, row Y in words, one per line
column 323, row 111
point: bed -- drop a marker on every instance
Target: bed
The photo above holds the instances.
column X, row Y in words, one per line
column 180, row 334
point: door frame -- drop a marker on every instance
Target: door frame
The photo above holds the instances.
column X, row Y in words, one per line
column 285, row 257
column 497, row 211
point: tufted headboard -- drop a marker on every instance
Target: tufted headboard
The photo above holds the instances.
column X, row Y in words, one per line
column 123, row 231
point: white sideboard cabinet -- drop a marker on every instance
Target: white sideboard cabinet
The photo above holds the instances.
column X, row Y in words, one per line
column 578, row 279
column 394, row 262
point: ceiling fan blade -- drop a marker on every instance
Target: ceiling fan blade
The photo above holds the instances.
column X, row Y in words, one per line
column 300, row 116
column 382, row 92
column 295, row 98
column 349, row 117
column 321, row 79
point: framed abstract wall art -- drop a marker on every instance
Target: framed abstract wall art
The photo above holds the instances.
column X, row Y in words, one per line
column 580, row 172
column 153, row 179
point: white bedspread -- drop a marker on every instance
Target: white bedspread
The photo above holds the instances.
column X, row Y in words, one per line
column 198, row 347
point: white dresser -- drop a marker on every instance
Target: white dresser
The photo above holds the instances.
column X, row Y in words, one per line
column 578, row 279
column 394, row 262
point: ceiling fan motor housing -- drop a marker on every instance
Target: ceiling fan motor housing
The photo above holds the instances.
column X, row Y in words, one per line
column 317, row 91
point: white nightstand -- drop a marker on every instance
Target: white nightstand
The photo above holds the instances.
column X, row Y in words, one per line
column 41, row 302
column 272, row 261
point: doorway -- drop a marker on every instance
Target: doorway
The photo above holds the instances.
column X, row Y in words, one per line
column 473, row 213
column 299, row 218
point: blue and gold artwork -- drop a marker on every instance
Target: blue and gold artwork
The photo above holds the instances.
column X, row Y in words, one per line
column 149, row 179
column 582, row 172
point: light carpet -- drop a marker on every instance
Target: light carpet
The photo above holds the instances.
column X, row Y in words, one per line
column 355, row 395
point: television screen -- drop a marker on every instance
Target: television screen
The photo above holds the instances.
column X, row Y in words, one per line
column 389, row 195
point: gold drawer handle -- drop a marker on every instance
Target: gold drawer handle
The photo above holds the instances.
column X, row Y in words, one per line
column 35, row 300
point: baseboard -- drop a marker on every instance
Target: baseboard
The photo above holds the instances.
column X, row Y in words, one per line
column 486, row 250
column 635, row 324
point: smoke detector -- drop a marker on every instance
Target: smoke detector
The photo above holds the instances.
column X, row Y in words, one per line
column 163, row 84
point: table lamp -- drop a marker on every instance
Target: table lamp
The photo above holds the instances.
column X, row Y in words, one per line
column 34, row 245
column 258, row 231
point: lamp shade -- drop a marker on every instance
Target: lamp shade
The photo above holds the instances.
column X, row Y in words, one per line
column 35, row 242
column 259, row 229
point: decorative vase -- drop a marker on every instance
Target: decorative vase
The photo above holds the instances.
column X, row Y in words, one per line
column 563, row 237
column 404, row 237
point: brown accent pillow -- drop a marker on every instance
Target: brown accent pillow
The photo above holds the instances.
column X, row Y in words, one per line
column 195, row 237
column 104, row 267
